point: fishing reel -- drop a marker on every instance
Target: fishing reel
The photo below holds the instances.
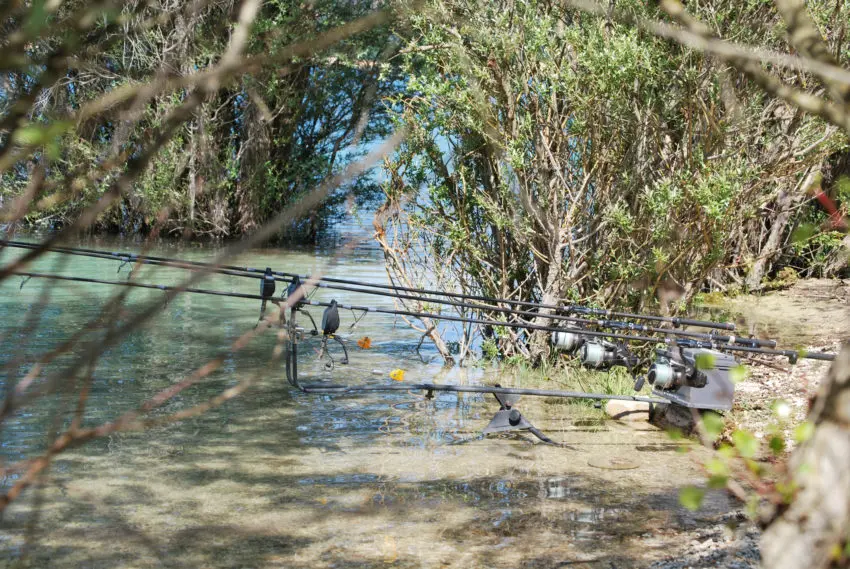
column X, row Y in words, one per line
column 693, row 377
column 669, row 372
column 567, row 340
column 602, row 355
column 593, row 352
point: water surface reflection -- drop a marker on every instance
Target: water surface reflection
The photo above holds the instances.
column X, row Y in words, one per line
column 277, row 478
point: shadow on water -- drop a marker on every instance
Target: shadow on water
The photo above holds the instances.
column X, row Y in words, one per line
column 277, row 478
column 345, row 519
column 242, row 487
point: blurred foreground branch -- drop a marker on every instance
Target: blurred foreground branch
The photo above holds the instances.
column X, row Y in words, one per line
column 814, row 531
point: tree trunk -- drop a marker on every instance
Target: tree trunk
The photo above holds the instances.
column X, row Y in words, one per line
column 785, row 203
column 838, row 259
column 193, row 177
column 817, row 523
column 539, row 345
column 254, row 155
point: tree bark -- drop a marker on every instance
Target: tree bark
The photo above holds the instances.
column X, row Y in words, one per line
column 817, row 523
column 772, row 246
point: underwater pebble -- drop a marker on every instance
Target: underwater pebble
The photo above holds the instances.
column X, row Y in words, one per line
column 718, row 546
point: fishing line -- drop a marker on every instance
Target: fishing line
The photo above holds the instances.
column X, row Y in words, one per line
column 235, row 270
column 426, row 315
column 254, row 273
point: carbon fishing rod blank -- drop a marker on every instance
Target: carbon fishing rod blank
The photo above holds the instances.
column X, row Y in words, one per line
column 558, row 311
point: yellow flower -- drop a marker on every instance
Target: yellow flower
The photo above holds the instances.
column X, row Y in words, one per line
column 397, row 375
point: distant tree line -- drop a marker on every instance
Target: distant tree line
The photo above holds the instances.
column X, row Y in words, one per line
column 246, row 151
column 555, row 152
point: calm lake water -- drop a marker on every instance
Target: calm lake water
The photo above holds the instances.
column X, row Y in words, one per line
column 278, row 478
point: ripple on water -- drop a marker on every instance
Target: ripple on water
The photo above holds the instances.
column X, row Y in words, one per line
column 277, row 478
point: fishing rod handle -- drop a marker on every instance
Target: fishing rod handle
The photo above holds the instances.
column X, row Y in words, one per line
column 816, row 356
column 688, row 322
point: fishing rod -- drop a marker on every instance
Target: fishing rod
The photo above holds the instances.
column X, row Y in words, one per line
column 258, row 273
column 589, row 354
column 569, row 338
column 324, row 388
column 568, row 308
column 707, row 344
column 610, row 324
column 676, row 375
column 134, row 284
column 688, row 373
column 507, row 419
column 127, row 258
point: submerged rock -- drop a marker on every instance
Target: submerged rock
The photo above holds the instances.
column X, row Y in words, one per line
column 628, row 410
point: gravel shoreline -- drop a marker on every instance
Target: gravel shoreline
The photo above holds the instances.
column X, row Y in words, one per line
column 730, row 543
column 774, row 395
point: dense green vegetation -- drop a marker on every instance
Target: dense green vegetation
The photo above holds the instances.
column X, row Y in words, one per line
column 554, row 154
column 550, row 153
column 248, row 150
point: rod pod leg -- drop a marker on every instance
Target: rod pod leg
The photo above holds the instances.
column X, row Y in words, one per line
column 291, row 362
column 508, row 418
column 315, row 331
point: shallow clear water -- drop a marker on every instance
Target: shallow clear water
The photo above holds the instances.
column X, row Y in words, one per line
column 278, row 478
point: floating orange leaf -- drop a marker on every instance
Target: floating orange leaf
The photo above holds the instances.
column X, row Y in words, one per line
column 365, row 342
column 397, row 375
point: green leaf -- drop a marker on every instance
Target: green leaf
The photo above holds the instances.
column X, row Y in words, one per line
column 31, row 135
column 738, row 373
column 726, row 451
column 803, row 233
column 691, row 497
column 787, row 490
column 674, row 434
column 705, row 361
column 843, row 194
column 746, row 443
column 804, row 431
column 37, row 18
column 717, row 467
column 717, row 482
column 754, row 467
column 713, row 424
column 777, row 444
